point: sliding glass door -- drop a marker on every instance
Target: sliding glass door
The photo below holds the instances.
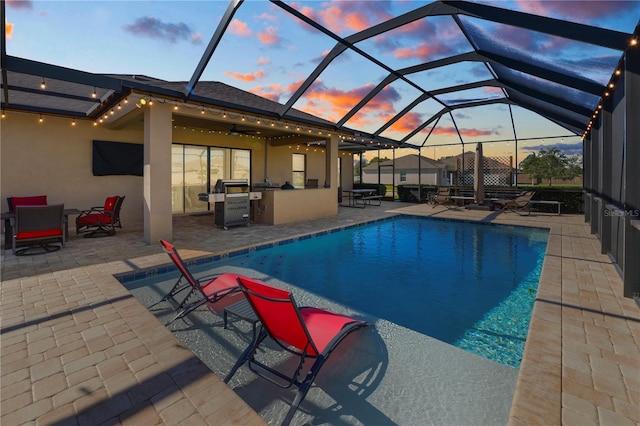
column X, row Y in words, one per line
column 196, row 169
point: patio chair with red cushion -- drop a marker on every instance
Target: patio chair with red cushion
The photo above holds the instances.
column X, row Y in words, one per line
column 307, row 333
column 210, row 289
column 101, row 220
column 38, row 227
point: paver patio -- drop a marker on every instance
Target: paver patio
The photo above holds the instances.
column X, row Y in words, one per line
column 76, row 347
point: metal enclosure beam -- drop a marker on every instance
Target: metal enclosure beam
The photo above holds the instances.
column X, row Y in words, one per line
column 631, row 272
column 213, row 44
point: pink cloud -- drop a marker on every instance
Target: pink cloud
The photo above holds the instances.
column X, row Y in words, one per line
column 263, row 61
column 20, row 4
column 570, row 9
column 346, row 16
column 408, row 123
column 262, row 92
column 451, row 131
column 492, row 89
column 240, row 28
column 269, row 36
column 321, row 100
column 423, row 51
column 253, row 76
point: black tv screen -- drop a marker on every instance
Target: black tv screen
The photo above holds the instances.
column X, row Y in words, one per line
column 117, row 158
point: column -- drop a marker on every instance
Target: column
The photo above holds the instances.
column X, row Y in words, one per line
column 157, row 173
column 331, row 163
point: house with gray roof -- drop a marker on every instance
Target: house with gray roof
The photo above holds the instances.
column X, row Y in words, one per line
column 410, row 169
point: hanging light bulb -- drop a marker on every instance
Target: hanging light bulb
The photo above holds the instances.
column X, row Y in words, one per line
column 41, row 119
column 43, row 85
column 94, row 94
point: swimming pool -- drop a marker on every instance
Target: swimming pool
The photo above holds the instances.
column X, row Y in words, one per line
column 470, row 285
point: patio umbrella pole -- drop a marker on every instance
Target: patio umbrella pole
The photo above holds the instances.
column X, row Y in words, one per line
column 478, row 182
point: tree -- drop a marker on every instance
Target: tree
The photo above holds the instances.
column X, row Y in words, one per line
column 356, row 166
column 551, row 164
column 378, row 160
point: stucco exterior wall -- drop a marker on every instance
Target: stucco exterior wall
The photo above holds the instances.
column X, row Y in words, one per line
column 287, row 206
column 54, row 158
column 279, row 163
column 428, row 177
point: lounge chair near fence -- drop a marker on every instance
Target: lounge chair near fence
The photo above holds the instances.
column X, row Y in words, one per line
column 443, row 197
column 521, row 204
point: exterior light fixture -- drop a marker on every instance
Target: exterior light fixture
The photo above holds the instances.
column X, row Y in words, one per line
column 73, row 122
column 41, row 119
column 143, row 101
column 175, row 107
column 634, row 41
column 94, row 94
column 43, row 85
column 618, row 72
column 611, row 85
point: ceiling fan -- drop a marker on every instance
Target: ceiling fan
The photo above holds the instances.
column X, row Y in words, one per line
column 235, row 131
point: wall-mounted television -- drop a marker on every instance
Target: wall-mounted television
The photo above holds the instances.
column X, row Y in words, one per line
column 117, row 158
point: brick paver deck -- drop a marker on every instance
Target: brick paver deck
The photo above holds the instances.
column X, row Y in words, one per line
column 77, row 348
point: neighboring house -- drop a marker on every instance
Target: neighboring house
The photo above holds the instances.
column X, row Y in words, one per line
column 497, row 170
column 406, row 171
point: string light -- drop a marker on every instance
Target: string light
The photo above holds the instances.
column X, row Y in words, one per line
column 41, row 120
column 94, row 94
column 43, row 85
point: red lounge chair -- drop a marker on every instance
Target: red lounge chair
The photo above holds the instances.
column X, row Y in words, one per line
column 101, row 220
column 304, row 332
column 200, row 291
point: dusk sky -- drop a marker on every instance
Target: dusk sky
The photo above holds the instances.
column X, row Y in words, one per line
column 268, row 52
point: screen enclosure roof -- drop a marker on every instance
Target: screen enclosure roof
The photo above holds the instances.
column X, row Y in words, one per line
column 381, row 74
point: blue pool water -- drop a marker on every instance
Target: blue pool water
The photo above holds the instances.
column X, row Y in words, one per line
column 467, row 284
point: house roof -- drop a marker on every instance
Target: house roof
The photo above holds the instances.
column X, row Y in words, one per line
column 514, row 74
column 410, row 162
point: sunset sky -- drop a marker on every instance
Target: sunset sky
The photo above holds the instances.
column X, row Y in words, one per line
column 270, row 53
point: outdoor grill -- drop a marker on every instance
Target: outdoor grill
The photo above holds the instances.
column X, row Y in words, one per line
column 231, row 202
column 234, row 210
